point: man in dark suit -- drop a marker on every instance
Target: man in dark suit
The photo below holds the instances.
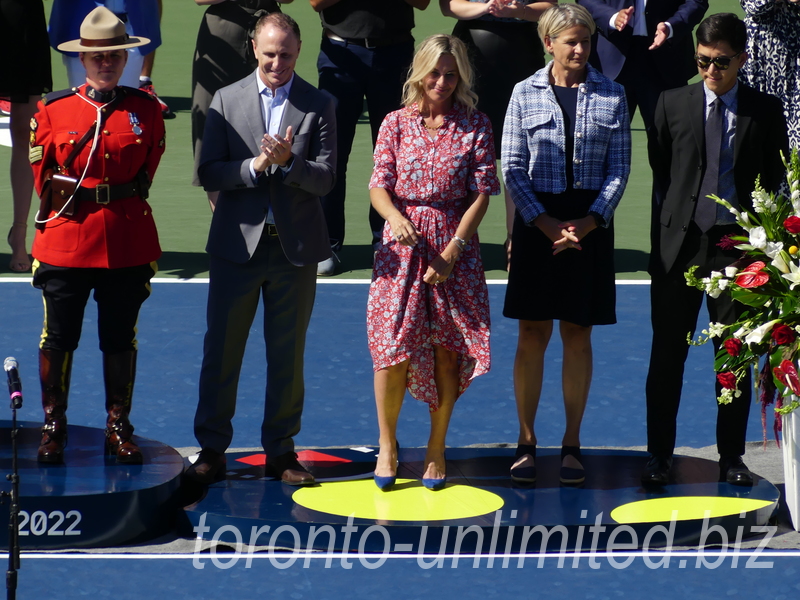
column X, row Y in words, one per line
column 645, row 45
column 713, row 137
column 270, row 150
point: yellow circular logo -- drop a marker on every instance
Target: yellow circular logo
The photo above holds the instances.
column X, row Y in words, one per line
column 408, row 500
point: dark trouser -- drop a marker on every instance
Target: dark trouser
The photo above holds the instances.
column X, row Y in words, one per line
column 351, row 73
column 642, row 80
column 674, row 310
column 119, row 294
column 287, row 293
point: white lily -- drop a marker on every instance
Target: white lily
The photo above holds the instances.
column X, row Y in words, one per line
column 793, row 276
column 757, row 335
column 780, row 262
column 773, row 248
column 758, row 238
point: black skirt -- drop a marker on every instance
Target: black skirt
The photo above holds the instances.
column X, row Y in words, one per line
column 23, row 33
column 574, row 285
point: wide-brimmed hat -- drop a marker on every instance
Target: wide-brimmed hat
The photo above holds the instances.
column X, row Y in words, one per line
column 102, row 31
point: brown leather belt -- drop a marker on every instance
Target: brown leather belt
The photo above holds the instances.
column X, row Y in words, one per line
column 370, row 42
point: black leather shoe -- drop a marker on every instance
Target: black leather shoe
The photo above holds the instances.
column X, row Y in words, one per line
column 656, row 471
column 290, row 471
column 733, row 470
column 208, row 468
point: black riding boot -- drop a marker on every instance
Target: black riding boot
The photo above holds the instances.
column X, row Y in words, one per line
column 119, row 372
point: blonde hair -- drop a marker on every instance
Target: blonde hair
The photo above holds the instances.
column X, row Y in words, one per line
column 564, row 16
column 425, row 59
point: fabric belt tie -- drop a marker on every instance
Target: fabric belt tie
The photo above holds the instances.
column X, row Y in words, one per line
column 705, row 214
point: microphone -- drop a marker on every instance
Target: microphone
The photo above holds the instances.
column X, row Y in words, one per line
column 14, row 383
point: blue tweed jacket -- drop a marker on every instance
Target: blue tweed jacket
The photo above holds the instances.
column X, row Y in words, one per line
column 534, row 144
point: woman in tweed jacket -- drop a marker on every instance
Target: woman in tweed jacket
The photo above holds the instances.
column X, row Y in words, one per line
column 566, row 159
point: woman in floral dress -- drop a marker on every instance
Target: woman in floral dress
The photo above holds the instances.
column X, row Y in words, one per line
column 428, row 309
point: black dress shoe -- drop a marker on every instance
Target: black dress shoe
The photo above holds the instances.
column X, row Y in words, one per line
column 733, row 470
column 290, row 471
column 656, row 471
column 208, row 468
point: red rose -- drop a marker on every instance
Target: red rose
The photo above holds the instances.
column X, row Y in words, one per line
column 783, row 334
column 727, row 380
column 787, row 375
column 733, row 346
column 792, row 224
column 752, row 276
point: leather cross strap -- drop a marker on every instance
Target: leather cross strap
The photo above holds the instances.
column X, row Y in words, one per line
column 89, row 133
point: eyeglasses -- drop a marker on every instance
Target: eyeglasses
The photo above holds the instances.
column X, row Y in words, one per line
column 721, row 62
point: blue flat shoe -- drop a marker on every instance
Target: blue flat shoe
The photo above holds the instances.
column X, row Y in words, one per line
column 435, row 484
column 385, row 483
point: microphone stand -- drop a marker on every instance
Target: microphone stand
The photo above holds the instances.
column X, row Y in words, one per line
column 13, row 512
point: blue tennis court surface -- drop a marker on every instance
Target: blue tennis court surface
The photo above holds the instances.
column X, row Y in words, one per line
column 340, row 407
column 684, row 576
column 340, row 412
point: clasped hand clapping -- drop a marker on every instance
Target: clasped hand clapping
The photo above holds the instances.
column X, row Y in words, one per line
column 625, row 18
column 505, row 8
column 275, row 150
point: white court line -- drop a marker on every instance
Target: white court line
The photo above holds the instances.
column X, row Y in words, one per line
column 319, row 281
column 266, row 553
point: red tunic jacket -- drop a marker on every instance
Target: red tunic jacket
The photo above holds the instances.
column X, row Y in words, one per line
column 121, row 233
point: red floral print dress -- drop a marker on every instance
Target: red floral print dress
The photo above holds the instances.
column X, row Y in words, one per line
column 428, row 180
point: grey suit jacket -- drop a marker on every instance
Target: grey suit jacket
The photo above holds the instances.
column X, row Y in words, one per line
column 233, row 132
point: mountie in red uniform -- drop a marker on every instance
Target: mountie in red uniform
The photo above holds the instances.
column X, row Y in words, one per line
column 107, row 229
column 100, row 239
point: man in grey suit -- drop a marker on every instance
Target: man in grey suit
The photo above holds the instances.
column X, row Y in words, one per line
column 270, row 150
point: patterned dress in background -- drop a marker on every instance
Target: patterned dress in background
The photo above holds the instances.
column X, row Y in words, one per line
column 773, row 46
column 428, row 180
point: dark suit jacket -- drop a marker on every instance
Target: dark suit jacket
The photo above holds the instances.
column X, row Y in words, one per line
column 673, row 62
column 232, row 136
column 677, row 157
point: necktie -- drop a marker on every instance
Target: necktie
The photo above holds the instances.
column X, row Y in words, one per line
column 706, row 211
